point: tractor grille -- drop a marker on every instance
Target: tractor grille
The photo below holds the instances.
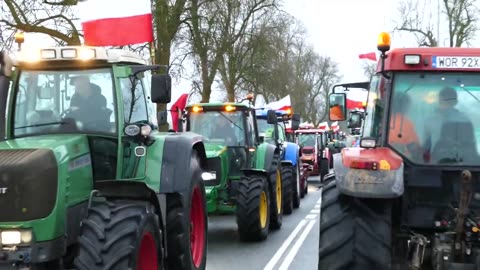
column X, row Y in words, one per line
column 28, row 184
column 214, row 164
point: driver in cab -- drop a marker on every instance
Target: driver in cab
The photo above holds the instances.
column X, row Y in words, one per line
column 87, row 102
column 223, row 130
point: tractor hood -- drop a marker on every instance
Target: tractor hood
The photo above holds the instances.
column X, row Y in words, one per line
column 65, row 147
column 214, row 149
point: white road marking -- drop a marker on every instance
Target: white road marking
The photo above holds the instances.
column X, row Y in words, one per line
column 284, row 246
column 317, row 205
column 311, row 216
column 293, row 252
column 315, row 211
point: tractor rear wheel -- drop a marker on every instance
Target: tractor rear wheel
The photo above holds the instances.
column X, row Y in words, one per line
column 120, row 234
column 288, row 184
column 187, row 224
column 303, row 183
column 276, row 200
column 253, row 212
column 296, row 186
column 354, row 233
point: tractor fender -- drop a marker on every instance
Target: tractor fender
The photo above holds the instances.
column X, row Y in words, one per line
column 177, row 152
column 286, row 163
column 384, row 181
column 292, row 152
column 135, row 190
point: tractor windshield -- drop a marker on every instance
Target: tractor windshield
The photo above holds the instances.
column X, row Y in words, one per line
column 306, row 140
column 225, row 127
column 60, row 101
column 433, row 118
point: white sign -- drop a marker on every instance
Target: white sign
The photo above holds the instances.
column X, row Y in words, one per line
column 455, row 62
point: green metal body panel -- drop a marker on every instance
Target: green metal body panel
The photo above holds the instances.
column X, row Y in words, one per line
column 74, row 186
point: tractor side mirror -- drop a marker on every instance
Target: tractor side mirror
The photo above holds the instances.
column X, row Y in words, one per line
column 337, row 106
column 161, row 88
column 355, row 121
column 271, row 117
column 295, row 121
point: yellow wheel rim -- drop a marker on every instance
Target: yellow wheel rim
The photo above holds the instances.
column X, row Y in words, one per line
column 263, row 209
column 279, row 192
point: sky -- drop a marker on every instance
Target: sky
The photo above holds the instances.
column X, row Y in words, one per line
column 341, row 29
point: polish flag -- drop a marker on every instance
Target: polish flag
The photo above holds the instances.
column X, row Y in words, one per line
column 323, row 126
column 283, row 104
column 335, row 126
column 116, row 22
column 356, row 99
column 177, row 109
column 370, row 56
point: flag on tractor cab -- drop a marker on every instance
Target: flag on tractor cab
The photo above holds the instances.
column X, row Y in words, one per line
column 177, row 108
column 335, row 127
column 116, row 22
column 370, row 56
column 283, row 104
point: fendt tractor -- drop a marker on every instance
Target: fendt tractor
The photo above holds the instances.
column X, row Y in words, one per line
column 87, row 181
column 243, row 175
column 290, row 153
column 409, row 196
column 314, row 151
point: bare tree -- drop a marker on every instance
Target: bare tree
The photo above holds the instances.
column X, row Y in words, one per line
column 51, row 18
column 416, row 18
column 369, row 69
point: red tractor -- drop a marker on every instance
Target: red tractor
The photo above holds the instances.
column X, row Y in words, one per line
column 409, row 196
column 313, row 150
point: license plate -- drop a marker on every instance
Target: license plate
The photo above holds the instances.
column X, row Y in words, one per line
column 455, row 62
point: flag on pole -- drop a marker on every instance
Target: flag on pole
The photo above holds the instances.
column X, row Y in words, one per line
column 177, row 108
column 323, row 126
column 370, row 56
column 116, row 22
column 283, row 104
column 335, row 127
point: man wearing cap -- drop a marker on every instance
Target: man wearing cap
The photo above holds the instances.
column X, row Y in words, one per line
column 88, row 103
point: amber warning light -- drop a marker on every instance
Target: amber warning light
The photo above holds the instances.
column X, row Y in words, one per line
column 384, row 41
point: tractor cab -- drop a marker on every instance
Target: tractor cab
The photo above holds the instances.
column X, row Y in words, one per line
column 313, row 149
column 61, row 92
column 285, row 121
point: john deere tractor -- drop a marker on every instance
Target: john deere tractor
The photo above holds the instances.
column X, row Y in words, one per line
column 243, row 175
column 87, row 182
column 275, row 134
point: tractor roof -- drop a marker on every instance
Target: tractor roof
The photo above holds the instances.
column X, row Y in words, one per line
column 432, row 59
column 77, row 55
column 218, row 106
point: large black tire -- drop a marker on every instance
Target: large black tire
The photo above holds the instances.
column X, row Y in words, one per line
column 355, row 234
column 113, row 234
column 303, row 183
column 253, row 197
column 276, row 202
column 296, row 186
column 287, row 181
column 180, row 225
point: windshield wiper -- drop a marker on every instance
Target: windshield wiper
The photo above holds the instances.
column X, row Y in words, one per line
column 44, row 124
column 230, row 120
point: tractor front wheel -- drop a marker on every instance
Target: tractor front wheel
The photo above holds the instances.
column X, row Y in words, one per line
column 355, row 233
column 276, row 205
column 187, row 225
column 296, row 186
column 253, row 212
column 120, row 234
column 288, row 189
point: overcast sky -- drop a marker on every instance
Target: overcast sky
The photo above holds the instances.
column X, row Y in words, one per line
column 341, row 29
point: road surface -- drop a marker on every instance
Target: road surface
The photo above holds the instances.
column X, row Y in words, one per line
column 294, row 246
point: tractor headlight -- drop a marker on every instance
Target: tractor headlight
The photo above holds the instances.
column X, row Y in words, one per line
column 209, row 176
column 16, row 237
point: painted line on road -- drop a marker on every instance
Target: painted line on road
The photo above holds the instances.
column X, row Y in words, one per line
column 296, row 247
column 317, row 205
column 284, row 246
column 311, row 216
column 315, row 211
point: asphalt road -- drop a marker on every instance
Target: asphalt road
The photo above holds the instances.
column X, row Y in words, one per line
column 294, row 246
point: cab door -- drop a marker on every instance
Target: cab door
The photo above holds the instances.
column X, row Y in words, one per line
column 134, row 111
column 251, row 138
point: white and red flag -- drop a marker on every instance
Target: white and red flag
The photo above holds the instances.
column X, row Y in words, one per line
column 283, row 104
column 335, row 127
column 116, row 22
column 370, row 56
column 323, row 126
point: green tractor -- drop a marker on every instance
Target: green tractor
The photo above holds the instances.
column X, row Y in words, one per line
column 87, row 181
column 243, row 174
